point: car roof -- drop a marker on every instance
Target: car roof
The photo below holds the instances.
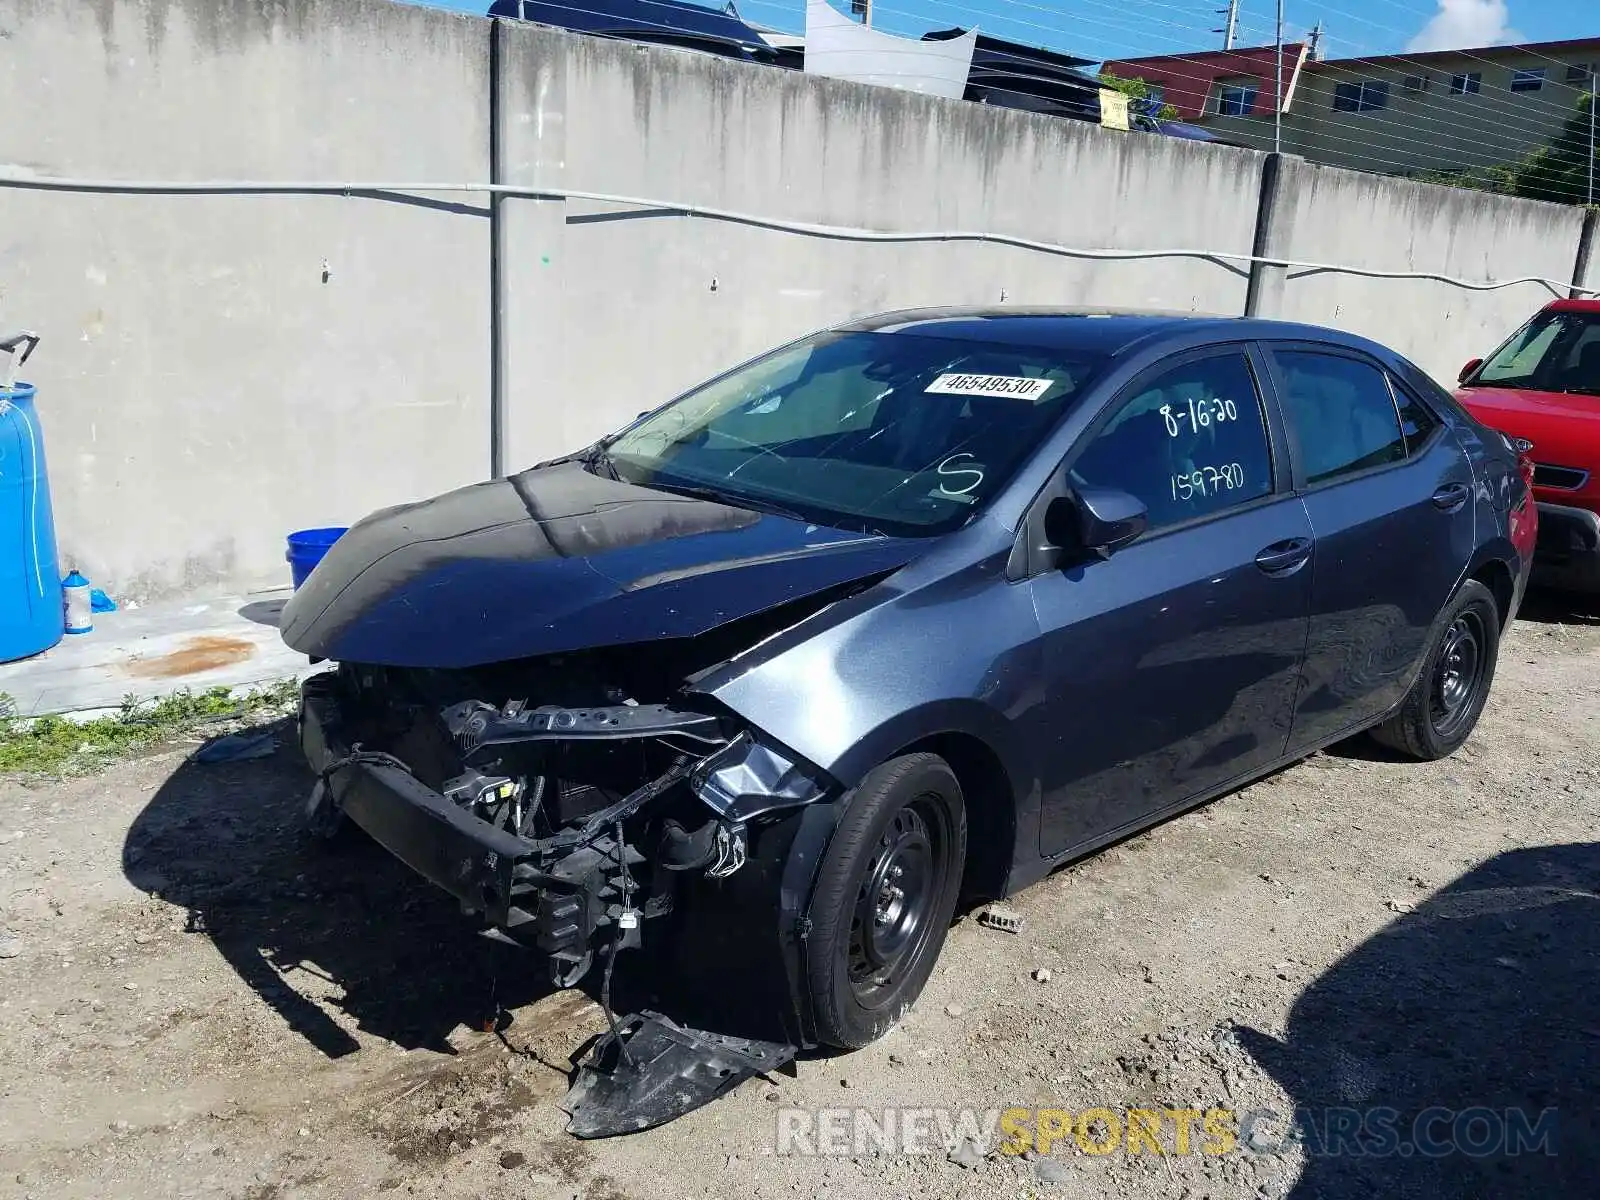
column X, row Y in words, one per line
column 1103, row 331
column 1589, row 306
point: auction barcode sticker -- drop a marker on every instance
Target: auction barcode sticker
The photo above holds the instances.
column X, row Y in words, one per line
column 1021, row 387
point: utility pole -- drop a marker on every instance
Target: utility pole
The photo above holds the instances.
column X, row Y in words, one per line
column 1231, row 27
column 1277, row 107
column 1594, row 82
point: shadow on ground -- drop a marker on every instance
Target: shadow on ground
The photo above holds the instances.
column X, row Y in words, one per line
column 1455, row 1054
column 286, row 909
column 228, row 842
column 1544, row 606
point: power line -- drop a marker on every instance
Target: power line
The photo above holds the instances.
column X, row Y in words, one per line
column 1402, row 57
column 1468, row 120
column 1363, row 147
column 1489, row 124
column 1464, row 139
column 1535, row 134
column 1484, row 123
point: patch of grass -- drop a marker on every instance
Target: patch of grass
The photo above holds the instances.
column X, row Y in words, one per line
column 58, row 746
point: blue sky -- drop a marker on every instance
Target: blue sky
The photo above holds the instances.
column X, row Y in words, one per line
column 1128, row 28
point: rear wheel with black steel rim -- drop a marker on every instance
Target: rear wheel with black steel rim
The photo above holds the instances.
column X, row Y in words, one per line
column 885, row 894
column 1442, row 708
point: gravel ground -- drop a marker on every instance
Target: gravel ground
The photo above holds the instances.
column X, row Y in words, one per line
column 196, row 1000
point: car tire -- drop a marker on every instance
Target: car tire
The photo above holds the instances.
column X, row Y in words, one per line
column 1442, row 708
column 885, row 894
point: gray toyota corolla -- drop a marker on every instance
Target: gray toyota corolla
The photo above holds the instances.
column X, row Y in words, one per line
column 918, row 607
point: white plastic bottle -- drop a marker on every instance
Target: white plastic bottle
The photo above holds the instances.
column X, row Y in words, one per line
column 79, row 605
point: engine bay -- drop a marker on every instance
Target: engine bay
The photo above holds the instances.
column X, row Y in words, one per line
column 592, row 810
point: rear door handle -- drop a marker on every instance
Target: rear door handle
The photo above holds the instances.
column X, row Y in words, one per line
column 1451, row 496
column 1286, row 557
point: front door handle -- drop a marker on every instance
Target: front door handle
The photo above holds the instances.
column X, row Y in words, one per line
column 1451, row 496
column 1286, row 557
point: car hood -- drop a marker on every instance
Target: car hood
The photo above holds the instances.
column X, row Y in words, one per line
column 557, row 559
column 1563, row 427
column 1518, row 403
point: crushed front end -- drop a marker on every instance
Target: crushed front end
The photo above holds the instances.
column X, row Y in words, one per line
column 560, row 825
column 582, row 827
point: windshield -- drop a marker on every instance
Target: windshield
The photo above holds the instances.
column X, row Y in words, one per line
column 1554, row 352
column 892, row 433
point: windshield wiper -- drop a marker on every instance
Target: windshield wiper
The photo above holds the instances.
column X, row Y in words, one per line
column 597, row 459
column 701, row 491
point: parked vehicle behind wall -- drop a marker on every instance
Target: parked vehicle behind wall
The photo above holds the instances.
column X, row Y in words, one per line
column 1541, row 387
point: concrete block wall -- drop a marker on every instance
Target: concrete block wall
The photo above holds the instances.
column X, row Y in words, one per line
column 614, row 309
column 1588, row 264
column 221, row 369
column 1326, row 215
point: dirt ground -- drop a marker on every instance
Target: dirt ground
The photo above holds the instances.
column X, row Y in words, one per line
column 200, row 1001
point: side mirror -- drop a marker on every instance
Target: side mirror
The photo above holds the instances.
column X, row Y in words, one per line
column 1472, row 365
column 1095, row 519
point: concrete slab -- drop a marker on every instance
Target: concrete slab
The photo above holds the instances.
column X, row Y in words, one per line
column 154, row 651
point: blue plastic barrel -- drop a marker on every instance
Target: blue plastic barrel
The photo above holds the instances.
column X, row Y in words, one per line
column 31, row 616
column 306, row 549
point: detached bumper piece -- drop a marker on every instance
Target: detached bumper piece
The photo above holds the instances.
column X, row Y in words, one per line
column 653, row 1071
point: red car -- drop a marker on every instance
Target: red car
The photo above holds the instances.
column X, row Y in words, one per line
column 1542, row 389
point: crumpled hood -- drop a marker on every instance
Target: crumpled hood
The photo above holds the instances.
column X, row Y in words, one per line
column 560, row 559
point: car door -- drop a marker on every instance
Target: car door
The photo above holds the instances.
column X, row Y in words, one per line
column 1169, row 667
column 1389, row 493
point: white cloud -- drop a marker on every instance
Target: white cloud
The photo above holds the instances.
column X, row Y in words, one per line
column 1460, row 24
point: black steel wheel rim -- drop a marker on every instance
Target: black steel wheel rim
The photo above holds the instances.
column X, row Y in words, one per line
column 1459, row 673
column 893, row 912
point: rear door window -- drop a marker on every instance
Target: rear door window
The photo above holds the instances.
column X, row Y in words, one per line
column 1191, row 441
column 1343, row 413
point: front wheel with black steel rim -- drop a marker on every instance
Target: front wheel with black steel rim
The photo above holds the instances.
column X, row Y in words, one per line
column 1442, row 708
column 885, row 894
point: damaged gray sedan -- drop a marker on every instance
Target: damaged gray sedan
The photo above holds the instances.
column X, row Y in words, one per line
column 915, row 608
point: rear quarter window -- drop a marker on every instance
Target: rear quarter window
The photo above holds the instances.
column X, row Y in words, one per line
column 1417, row 422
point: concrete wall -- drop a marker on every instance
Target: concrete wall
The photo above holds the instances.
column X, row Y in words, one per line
column 220, row 369
column 204, row 390
column 1588, row 259
column 612, row 310
column 1326, row 215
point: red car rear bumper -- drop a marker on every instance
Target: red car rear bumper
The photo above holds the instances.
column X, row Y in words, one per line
column 1567, row 554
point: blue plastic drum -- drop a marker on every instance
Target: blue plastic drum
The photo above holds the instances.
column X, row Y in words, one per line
column 31, row 614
